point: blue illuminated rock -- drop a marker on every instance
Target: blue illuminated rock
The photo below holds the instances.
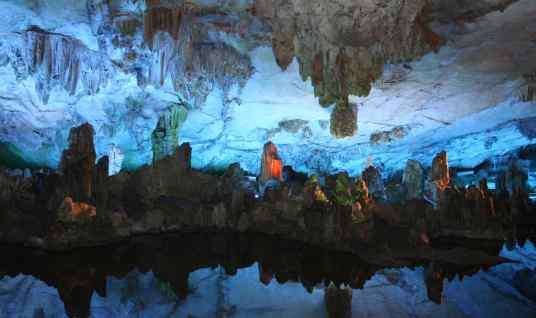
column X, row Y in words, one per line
column 165, row 137
column 413, row 180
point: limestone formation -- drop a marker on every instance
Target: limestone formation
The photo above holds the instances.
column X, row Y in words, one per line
column 101, row 188
column 165, row 137
column 374, row 182
column 283, row 47
column 271, row 164
column 528, row 90
column 440, row 170
column 78, row 163
column 385, row 137
column 340, row 54
column 60, row 61
column 343, row 190
column 434, row 277
column 344, row 119
column 314, row 196
column 361, row 191
column 338, row 301
column 413, row 180
column 161, row 19
column 71, row 211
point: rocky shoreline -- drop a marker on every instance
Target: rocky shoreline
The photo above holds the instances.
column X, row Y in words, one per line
column 81, row 205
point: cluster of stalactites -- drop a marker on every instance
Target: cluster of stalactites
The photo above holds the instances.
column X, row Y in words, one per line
column 195, row 67
column 56, row 60
column 343, row 57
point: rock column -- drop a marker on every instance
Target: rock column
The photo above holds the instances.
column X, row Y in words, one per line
column 78, row 163
column 338, row 301
column 271, row 164
column 413, row 180
column 440, row 170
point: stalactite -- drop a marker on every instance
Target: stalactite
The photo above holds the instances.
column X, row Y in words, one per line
column 161, row 19
column 58, row 60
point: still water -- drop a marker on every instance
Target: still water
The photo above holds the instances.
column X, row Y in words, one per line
column 229, row 275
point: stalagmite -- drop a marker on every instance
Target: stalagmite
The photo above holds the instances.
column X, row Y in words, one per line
column 271, row 164
column 413, row 180
column 338, row 301
column 440, row 170
column 344, row 119
column 374, row 182
column 165, row 137
column 78, row 163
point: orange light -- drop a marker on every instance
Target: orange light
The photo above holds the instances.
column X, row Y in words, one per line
column 276, row 169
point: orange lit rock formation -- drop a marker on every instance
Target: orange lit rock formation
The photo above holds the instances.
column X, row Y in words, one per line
column 271, row 164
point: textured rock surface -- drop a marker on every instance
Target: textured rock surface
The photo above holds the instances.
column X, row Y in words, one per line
column 78, row 163
column 440, row 170
column 374, row 181
column 271, row 164
column 413, row 180
column 165, row 137
column 344, row 119
column 338, row 301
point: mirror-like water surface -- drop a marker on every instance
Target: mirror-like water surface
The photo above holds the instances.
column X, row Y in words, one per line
column 224, row 275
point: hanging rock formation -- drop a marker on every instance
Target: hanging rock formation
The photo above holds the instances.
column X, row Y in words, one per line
column 413, row 180
column 271, row 164
column 161, row 19
column 78, row 163
column 165, row 137
column 344, row 55
column 56, row 60
column 344, row 119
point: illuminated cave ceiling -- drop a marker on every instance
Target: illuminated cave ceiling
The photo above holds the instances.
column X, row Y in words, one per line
column 418, row 76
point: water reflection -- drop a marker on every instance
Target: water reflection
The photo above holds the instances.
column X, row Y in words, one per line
column 252, row 276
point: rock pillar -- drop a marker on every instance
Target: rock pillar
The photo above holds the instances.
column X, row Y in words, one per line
column 78, row 163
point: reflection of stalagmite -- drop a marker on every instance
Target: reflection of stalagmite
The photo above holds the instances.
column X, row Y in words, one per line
column 344, row 119
column 434, row 282
column 265, row 276
column 271, row 164
column 338, row 301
